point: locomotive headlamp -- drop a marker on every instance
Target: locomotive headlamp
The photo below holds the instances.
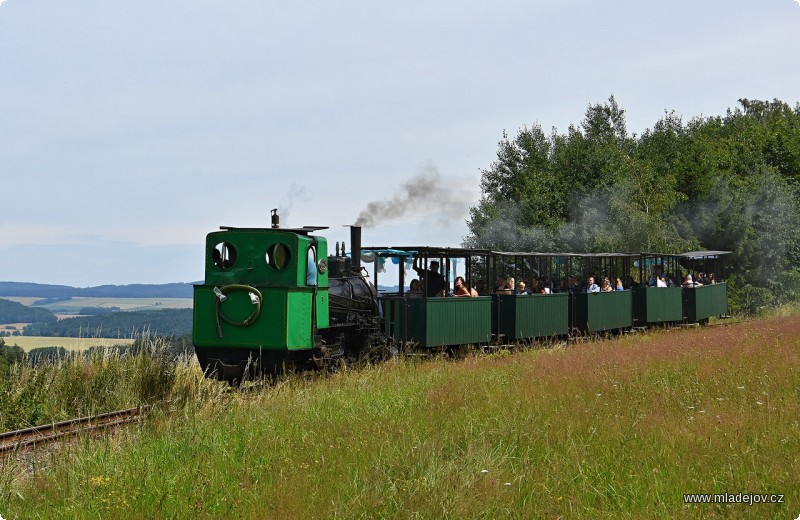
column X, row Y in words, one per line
column 322, row 266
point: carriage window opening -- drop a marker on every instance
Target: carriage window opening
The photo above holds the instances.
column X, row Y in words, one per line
column 278, row 256
column 224, row 255
column 311, row 269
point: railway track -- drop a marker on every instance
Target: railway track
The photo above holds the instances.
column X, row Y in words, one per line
column 31, row 437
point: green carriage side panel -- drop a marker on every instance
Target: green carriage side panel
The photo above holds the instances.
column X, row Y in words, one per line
column 597, row 312
column 657, row 304
column 531, row 316
column 700, row 303
column 436, row 322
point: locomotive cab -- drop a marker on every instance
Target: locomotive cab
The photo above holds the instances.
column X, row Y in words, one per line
column 264, row 296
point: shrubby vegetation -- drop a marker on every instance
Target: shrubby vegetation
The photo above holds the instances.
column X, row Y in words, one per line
column 717, row 183
column 13, row 312
column 166, row 322
column 61, row 385
column 9, row 354
column 97, row 311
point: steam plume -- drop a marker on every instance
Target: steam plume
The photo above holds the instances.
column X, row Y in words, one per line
column 425, row 193
column 296, row 193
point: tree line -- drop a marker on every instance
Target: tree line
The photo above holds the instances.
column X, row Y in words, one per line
column 716, row 183
column 133, row 324
column 13, row 312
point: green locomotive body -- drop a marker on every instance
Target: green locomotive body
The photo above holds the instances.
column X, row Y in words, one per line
column 264, row 296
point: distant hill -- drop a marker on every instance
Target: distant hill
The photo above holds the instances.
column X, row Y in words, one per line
column 13, row 312
column 46, row 291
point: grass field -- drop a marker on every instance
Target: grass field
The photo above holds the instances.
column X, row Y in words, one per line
column 30, row 342
column 610, row 429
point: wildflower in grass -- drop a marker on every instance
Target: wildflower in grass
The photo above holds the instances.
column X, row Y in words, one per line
column 759, row 403
column 484, row 471
column 99, row 480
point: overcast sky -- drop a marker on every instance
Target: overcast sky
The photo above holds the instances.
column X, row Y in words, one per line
column 129, row 130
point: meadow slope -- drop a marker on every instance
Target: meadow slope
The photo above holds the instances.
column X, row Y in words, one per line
column 609, row 429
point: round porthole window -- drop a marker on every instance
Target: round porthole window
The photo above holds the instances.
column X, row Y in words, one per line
column 224, row 255
column 278, row 256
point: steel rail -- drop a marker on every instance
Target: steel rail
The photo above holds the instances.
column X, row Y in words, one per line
column 16, row 439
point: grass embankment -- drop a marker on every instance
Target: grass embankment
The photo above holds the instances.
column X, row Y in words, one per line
column 608, row 429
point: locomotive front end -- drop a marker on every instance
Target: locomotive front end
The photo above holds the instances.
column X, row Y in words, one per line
column 264, row 296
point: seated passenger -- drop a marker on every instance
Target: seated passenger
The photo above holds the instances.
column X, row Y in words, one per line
column 572, row 285
column 711, row 279
column 461, row 288
column 472, row 292
column 619, row 286
column 662, row 281
column 415, row 287
column 479, row 287
column 702, row 278
column 521, row 288
column 689, row 282
column 654, row 276
column 433, row 281
column 510, row 285
column 606, row 285
column 591, row 287
column 547, row 285
column 500, row 285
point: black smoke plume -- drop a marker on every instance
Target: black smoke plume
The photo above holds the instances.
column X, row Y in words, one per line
column 424, row 194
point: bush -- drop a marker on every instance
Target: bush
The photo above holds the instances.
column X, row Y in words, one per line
column 754, row 300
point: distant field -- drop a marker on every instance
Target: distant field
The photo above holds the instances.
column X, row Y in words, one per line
column 30, row 342
column 12, row 326
column 74, row 305
column 24, row 300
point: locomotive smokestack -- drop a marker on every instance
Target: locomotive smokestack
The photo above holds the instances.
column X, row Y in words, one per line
column 276, row 220
column 355, row 247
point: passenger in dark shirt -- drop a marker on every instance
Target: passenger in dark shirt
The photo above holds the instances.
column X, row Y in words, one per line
column 433, row 280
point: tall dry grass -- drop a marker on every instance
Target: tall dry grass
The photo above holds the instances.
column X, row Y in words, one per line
column 101, row 380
